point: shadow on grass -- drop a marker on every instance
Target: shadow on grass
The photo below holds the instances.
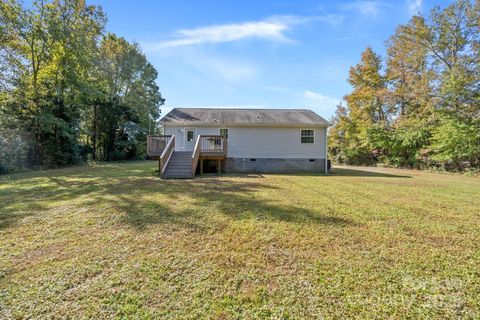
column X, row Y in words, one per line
column 210, row 200
column 254, row 175
column 235, row 200
column 347, row 172
column 9, row 214
column 339, row 172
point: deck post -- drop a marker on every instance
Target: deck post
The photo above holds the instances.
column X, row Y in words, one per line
column 201, row 166
column 326, row 151
column 219, row 164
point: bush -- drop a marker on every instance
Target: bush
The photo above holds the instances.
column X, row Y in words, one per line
column 13, row 152
column 86, row 152
column 456, row 143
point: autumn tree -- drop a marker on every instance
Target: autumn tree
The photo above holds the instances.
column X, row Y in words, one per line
column 365, row 111
column 425, row 109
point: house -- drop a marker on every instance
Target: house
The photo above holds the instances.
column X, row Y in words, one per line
column 240, row 140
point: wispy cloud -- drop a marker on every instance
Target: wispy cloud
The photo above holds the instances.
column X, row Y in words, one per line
column 331, row 19
column 321, row 101
column 231, row 71
column 271, row 29
column 228, row 69
column 414, row 6
column 366, row 8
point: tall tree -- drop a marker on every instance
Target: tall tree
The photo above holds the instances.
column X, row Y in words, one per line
column 366, row 109
column 453, row 44
column 430, row 112
column 131, row 98
column 51, row 46
column 67, row 89
column 409, row 79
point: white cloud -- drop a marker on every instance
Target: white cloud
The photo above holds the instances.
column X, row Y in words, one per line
column 331, row 19
column 271, row 29
column 367, row 8
column 414, row 6
column 211, row 66
column 232, row 71
column 321, row 102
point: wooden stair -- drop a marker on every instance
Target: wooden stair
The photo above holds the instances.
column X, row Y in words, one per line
column 183, row 164
column 179, row 166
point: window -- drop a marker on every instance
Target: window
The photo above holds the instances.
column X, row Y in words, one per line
column 306, row 136
column 224, row 132
column 189, row 135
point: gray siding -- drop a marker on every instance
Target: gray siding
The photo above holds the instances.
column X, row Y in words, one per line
column 179, row 134
column 271, row 142
column 261, row 142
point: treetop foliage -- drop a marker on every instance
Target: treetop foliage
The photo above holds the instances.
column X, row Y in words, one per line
column 421, row 106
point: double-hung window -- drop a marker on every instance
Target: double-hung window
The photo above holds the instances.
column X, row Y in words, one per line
column 307, row 136
column 224, row 132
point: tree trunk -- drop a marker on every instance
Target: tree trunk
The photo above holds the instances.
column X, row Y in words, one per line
column 94, row 135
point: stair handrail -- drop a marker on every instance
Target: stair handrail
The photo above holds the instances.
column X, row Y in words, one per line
column 196, row 155
column 166, row 155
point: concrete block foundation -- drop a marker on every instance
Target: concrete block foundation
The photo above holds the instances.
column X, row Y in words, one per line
column 274, row 165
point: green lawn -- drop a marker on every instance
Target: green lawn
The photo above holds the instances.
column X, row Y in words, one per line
column 115, row 241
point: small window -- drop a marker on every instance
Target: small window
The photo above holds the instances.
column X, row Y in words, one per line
column 224, row 132
column 307, row 136
column 189, row 135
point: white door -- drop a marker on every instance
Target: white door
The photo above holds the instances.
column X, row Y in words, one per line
column 189, row 139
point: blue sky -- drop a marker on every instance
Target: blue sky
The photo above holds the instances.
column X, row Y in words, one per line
column 268, row 54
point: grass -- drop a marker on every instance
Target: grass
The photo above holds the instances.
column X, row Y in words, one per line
column 115, row 241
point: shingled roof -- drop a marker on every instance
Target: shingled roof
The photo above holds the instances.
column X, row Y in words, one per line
column 260, row 117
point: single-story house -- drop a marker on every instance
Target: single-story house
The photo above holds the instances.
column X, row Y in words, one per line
column 240, row 140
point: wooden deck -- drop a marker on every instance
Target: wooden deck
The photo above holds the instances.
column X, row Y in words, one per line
column 211, row 147
column 156, row 144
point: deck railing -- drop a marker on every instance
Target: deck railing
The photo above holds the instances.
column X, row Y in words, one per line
column 156, row 144
column 213, row 145
column 196, row 155
column 210, row 147
column 166, row 154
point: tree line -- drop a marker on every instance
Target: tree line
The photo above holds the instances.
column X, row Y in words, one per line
column 418, row 107
column 69, row 90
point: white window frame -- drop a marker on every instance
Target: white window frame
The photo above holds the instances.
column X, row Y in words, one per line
column 193, row 134
column 220, row 132
column 313, row 130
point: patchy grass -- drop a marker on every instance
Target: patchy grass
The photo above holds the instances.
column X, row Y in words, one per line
column 115, row 241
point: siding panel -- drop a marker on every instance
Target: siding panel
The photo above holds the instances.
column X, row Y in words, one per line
column 273, row 143
column 262, row 142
